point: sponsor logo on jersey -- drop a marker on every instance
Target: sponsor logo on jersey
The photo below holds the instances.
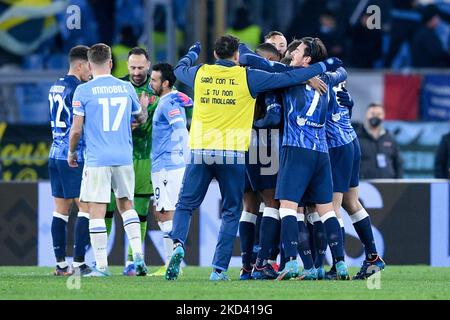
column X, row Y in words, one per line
column 76, row 104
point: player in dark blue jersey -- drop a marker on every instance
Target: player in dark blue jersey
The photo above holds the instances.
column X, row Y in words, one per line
column 345, row 156
column 66, row 181
column 260, row 182
column 305, row 171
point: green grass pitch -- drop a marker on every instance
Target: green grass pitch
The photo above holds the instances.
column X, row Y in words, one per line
column 396, row 282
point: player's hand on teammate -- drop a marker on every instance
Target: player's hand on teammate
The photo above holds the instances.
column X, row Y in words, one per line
column 318, row 85
column 72, row 158
column 196, row 48
column 331, row 64
column 142, row 117
column 144, row 99
column 344, row 98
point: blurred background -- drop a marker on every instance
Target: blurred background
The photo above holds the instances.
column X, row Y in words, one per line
column 403, row 63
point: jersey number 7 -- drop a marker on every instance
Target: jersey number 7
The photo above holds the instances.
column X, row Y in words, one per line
column 314, row 102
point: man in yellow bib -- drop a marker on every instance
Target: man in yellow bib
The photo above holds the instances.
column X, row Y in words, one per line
column 224, row 103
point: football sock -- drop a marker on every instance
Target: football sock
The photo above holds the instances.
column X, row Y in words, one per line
column 320, row 240
column 133, row 230
column 59, row 235
column 141, row 205
column 81, row 240
column 303, row 242
column 247, row 225
column 363, row 227
column 289, row 232
column 99, row 242
column 334, row 235
column 312, row 245
column 269, row 236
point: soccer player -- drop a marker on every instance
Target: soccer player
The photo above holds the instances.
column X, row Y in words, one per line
column 268, row 51
column 305, row 171
column 103, row 109
column 265, row 266
column 345, row 155
column 219, row 137
column 257, row 185
column 169, row 149
column 65, row 181
column 138, row 69
column 278, row 40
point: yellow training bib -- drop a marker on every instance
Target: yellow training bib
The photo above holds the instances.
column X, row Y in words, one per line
column 223, row 109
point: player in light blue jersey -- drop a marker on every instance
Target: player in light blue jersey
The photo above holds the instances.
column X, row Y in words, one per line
column 169, row 149
column 103, row 110
column 65, row 181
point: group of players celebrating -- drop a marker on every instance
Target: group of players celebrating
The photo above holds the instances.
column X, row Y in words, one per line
column 319, row 164
column 319, row 158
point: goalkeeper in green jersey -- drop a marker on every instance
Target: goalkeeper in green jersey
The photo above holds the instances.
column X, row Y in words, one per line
column 138, row 68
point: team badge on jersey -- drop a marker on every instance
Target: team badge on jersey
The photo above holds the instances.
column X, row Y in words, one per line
column 301, row 121
column 336, row 117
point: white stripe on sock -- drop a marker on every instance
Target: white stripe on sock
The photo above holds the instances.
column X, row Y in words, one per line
column 359, row 215
column 61, row 216
column 314, row 217
column 83, row 214
column 285, row 212
column 341, row 222
column 261, row 207
column 271, row 213
column 248, row 217
column 328, row 215
column 130, row 215
column 300, row 217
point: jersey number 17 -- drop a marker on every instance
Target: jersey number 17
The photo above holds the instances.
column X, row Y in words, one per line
column 121, row 102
